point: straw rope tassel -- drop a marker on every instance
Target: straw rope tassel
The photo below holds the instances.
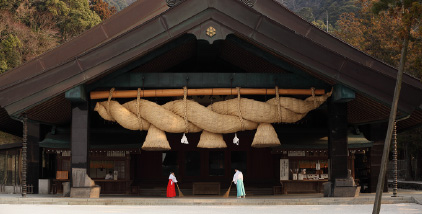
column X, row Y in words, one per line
column 211, row 140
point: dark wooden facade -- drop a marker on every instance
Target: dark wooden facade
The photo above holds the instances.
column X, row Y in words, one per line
column 150, row 46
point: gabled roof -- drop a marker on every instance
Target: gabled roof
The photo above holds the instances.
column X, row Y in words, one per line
column 146, row 25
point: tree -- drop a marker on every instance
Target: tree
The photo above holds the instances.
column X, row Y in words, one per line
column 9, row 54
column 411, row 14
column 9, row 4
column 31, row 27
column 306, row 13
column 80, row 18
column 19, row 42
column 72, row 16
column 323, row 25
column 102, row 9
column 377, row 36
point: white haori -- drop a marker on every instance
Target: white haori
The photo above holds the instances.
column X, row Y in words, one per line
column 173, row 179
column 237, row 176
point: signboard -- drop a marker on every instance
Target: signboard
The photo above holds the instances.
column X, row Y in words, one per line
column 284, row 169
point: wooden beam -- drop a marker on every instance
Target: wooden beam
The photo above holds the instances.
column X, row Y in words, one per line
column 95, row 95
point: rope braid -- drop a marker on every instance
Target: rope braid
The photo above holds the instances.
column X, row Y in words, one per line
column 138, row 109
column 185, row 94
column 133, row 118
column 239, row 110
column 279, row 118
column 313, row 96
column 110, row 95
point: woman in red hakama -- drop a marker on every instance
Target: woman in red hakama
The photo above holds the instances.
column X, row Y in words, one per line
column 171, row 190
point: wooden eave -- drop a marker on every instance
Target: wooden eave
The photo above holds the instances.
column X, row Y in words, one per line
column 107, row 47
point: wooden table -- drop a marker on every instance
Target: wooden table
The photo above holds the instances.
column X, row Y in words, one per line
column 206, row 188
column 302, row 186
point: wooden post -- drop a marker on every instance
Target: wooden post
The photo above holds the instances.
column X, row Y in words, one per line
column 395, row 160
column 33, row 155
column 337, row 146
column 202, row 91
column 24, row 148
column 393, row 113
column 79, row 137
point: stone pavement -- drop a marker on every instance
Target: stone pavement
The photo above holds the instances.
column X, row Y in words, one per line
column 182, row 209
column 414, row 185
column 405, row 196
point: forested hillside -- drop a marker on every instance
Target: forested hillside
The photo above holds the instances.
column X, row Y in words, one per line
column 119, row 4
column 31, row 27
column 317, row 11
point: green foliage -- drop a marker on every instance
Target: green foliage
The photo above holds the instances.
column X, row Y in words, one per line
column 79, row 19
column 10, row 52
column 9, row 4
column 31, row 27
column 72, row 16
column 323, row 26
column 20, row 43
column 306, row 13
column 57, row 8
column 102, row 9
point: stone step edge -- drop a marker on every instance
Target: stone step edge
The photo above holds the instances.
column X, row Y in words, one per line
column 184, row 201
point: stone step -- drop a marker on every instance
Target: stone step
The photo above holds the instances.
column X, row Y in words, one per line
column 203, row 200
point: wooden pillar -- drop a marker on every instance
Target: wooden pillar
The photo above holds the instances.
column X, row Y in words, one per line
column 341, row 185
column 376, row 133
column 79, row 135
column 33, row 155
column 337, row 141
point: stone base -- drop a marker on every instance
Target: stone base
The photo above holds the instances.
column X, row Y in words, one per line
column 343, row 191
column 85, row 192
column 327, row 189
column 340, row 191
column 44, row 186
column 12, row 189
column 66, row 189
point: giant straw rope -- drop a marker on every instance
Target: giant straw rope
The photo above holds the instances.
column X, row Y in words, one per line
column 230, row 116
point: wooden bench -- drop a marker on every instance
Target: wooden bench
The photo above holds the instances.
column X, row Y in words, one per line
column 206, row 188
